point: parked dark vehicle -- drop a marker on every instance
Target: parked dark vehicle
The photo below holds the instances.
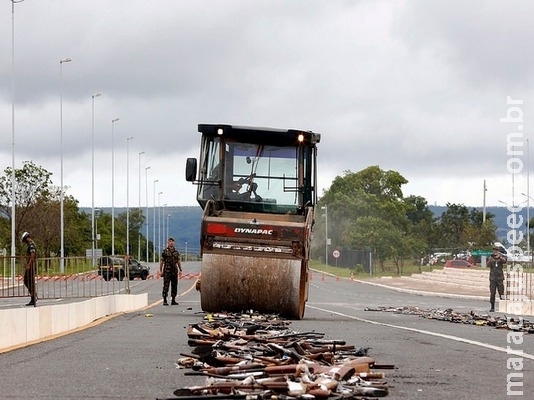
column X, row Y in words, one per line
column 113, row 267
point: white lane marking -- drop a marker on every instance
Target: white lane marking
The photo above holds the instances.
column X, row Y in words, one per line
column 441, row 335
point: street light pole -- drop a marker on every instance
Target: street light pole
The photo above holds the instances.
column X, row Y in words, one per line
column 97, row 210
column 113, row 185
column 93, row 176
column 61, row 195
column 139, row 207
column 528, row 226
column 128, row 195
column 528, row 222
column 484, row 202
column 168, row 233
column 154, row 227
column 325, row 208
column 528, row 203
column 13, row 197
column 162, row 222
column 146, row 209
column 159, row 223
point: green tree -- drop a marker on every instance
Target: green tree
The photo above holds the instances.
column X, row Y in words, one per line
column 103, row 229
column 5, row 233
column 32, row 185
column 417, row 210
column 37, row 210
column 135, row 222
column 367, row 210
column 421, row 225
column 460, row 228
column 453, row 223
column 380, row 235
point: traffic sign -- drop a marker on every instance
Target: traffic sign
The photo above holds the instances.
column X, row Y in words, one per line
column 335, row 253
column 481, row 252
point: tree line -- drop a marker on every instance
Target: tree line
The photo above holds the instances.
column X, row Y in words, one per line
column 367, row 211
column 38, row 208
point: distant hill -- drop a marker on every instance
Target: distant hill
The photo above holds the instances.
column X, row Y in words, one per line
column 184, row 225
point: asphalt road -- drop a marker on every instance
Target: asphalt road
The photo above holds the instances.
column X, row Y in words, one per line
column 133, row 355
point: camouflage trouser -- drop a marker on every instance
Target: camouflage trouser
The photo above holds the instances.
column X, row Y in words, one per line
column 170, row 276
column 496, row 285
column 29, row 281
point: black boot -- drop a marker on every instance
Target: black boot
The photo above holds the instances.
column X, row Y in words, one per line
column 165, row 301
column 492, row 308
column 32, row 302
column 173, row 302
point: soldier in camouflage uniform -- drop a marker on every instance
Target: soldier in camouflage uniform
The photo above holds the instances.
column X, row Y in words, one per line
column 495, row 263
column 29, row 272
column 169, row 265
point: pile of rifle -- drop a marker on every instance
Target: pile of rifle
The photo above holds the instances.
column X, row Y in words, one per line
column 257, row 357
column 471, row 318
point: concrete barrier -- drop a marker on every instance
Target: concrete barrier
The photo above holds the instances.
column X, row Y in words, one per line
column 515, row 307
column 28, row 324
column 456, row 276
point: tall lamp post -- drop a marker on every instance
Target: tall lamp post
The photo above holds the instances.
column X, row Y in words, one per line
column 484, row 202
column 139, row 206
column 159, row 222
column 154, row 227
column 93, row 176
column 97, row 237
column 62, row 194
column 528, row 223
column 128, row 195
column 146, row 209
column 162, row 222
column 528, row 203
column 325, row 208
column 13, row 197
column 168, row 233
column 113, row 185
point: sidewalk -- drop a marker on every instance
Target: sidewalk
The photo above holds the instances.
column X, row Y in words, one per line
column 430, row 287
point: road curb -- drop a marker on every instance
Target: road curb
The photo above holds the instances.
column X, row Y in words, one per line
column 423, row 292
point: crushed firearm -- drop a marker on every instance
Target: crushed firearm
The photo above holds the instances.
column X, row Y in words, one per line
column 257, row 357
column 471, row 318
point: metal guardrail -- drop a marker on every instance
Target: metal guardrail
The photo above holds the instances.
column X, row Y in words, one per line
column 75, row 277
column 519, row 286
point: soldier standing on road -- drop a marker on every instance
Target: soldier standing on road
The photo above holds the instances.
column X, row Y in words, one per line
column 29, row 272
column 169, row 265
column 495, row 263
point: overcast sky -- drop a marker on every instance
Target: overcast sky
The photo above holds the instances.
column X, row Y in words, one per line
column 418, row 87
